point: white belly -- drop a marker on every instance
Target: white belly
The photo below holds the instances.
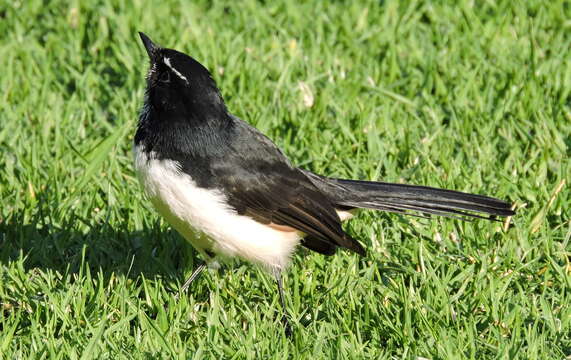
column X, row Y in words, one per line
column 202, row 217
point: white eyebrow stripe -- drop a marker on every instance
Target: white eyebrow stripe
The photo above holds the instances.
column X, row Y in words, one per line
column 167, row 62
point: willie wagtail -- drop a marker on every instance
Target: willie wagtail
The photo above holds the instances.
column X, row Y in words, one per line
column 231, row 192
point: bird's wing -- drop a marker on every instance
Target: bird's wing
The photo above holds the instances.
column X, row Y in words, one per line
column 274, row 193
column 259, row 182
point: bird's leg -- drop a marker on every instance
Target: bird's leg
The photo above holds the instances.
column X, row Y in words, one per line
column 210, row 262
column 285, row 321
column 192, row 277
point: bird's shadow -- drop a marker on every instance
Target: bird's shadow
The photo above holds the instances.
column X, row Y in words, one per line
column 39, row 244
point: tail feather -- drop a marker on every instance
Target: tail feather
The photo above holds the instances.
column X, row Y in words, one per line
column 424, row 211
column 402, row 198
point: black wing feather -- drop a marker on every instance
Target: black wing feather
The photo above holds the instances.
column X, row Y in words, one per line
column 259, row 182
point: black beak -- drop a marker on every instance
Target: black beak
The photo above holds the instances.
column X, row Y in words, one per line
column 149, row 45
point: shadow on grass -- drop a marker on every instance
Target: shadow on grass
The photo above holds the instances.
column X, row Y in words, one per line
column 149, row 253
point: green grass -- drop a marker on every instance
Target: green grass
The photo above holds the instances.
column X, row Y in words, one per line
column 472, row 96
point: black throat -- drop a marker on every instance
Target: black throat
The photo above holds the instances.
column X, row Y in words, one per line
column 193, row 141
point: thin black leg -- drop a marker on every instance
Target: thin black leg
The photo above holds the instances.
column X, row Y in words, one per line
column 192, row 277
column 285, row 320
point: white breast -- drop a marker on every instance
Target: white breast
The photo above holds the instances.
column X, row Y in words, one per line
column 203, row 217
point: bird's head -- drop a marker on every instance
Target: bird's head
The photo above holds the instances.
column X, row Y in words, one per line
column 177, row 84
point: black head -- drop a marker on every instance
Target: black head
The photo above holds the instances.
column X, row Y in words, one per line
column 180, row 86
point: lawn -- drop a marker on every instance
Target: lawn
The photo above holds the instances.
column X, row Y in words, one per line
column 470, row 95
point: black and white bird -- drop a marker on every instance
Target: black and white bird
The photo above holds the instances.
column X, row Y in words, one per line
column 231, row 192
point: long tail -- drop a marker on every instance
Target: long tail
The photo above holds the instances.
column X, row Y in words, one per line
column 409, row 199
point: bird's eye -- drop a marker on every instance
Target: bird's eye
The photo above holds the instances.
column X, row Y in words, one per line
column 164, row 77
